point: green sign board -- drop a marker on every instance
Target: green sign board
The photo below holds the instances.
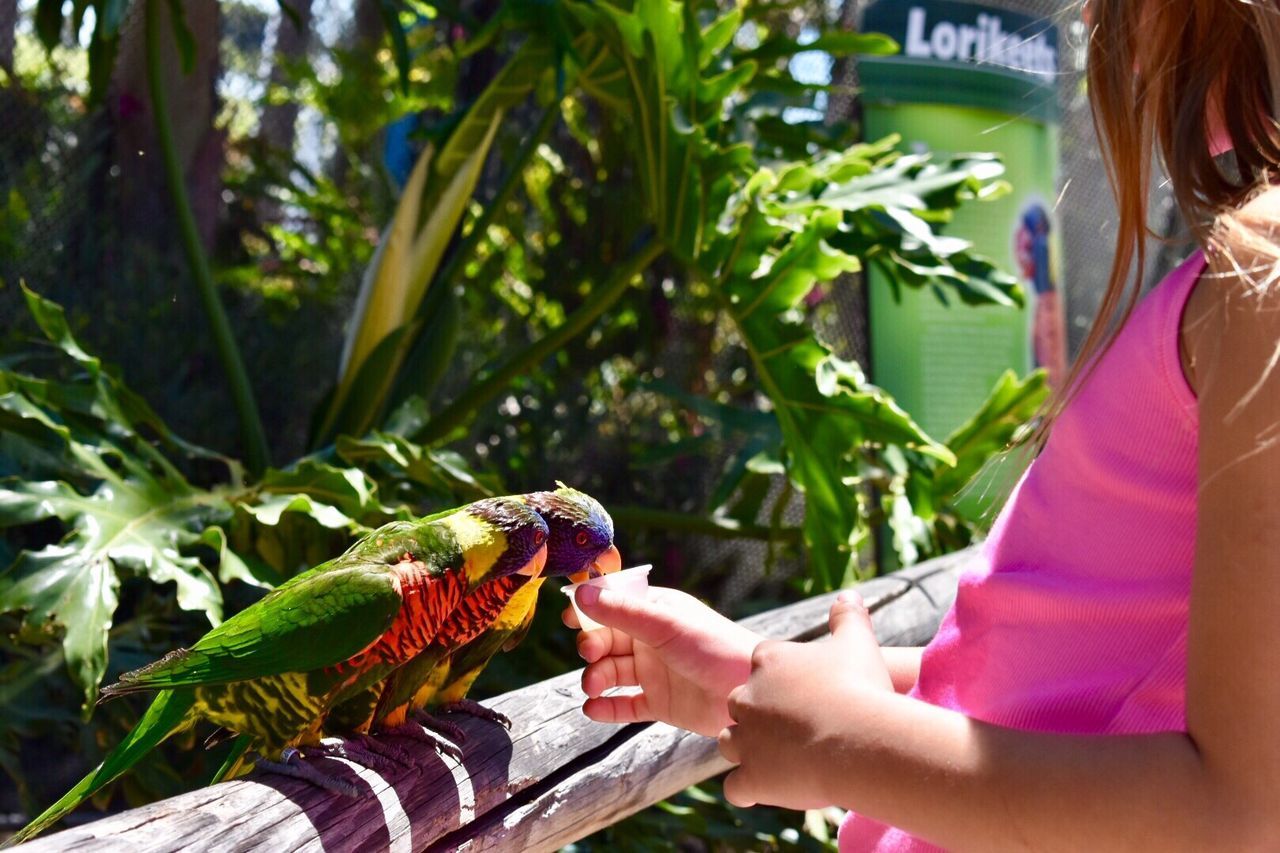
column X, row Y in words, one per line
column 970, row 78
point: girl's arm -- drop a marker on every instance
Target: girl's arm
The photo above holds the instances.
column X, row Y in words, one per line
column 966, row 784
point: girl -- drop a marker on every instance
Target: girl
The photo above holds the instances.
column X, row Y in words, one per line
column 1108, row 677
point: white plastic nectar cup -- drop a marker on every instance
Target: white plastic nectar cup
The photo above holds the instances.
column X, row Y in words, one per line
column 632, row 581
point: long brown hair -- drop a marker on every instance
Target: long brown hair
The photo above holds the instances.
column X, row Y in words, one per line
column 1161, row 74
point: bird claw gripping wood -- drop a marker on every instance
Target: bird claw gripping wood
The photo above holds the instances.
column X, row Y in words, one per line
column 360, row 751
column 423, row 734
column 292, row 763
column 389, row 751
column 475, row 709
column 443, row 727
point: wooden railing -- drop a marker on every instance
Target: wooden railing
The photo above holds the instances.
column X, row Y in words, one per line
column 553, row 778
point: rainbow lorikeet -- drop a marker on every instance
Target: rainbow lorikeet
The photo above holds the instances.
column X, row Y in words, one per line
column 580, row 542
column 271, row 672
column 496, row 615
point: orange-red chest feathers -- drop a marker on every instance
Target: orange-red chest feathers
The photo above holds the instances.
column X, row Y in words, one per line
column 477, row 611
column 428, row 602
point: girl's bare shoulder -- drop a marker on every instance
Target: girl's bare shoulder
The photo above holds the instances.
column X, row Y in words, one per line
column 1264, row 204
column 1245, row 248
column 1233, row 314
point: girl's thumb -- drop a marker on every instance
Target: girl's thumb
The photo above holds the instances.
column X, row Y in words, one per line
column 848, row 613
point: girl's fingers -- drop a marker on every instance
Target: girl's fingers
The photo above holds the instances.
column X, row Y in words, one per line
column 850, row 618
column 601, row 642
column 734, row 701
column 736, row 790
column 648, row 618
column 618, row 709
column 570, row 617
column 614, row 671
column 728, row 747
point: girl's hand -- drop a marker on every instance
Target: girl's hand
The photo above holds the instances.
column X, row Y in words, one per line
column 683, row 655
column 792, row 716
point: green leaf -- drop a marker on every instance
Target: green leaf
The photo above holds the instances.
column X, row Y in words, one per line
column 390, row 11
column 64, row 586
column 230, row 566
column 270, row 510
column 382, row 307
column 429, row 361
column 908, row 183
column 892, row 207
column 882, row 420
column 52, row 320
column 654, row 75
column 389, row 313
column 348, row 490
column 364, row 397
column 910, row 532
column 443, row 473
column 992, row 428
column 49, row 22
column 182, row 35
column 713, row 90
column 123, row 526
column 718, row 35
column 763, row 267
column 104, row 397
column 509, row 87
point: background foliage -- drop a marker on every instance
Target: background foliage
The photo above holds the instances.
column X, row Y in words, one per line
column 463, row 249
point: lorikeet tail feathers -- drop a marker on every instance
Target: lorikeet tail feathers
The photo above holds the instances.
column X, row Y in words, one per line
column 167, row 714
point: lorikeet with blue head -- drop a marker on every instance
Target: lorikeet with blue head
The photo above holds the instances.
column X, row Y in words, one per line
column 272, row 672
column 579, row 545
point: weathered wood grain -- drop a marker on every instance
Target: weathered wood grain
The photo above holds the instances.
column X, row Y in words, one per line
column 554, row 778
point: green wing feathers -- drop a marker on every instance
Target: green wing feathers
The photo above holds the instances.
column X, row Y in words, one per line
column 425, row 539
column 326, row 619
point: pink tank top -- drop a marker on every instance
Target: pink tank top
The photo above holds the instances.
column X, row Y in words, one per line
column 1076, row 620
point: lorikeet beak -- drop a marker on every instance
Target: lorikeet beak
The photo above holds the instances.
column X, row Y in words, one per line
column 533, row 568
column 607, row 563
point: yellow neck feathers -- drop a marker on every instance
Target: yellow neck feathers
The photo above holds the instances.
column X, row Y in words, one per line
column 481, row 543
